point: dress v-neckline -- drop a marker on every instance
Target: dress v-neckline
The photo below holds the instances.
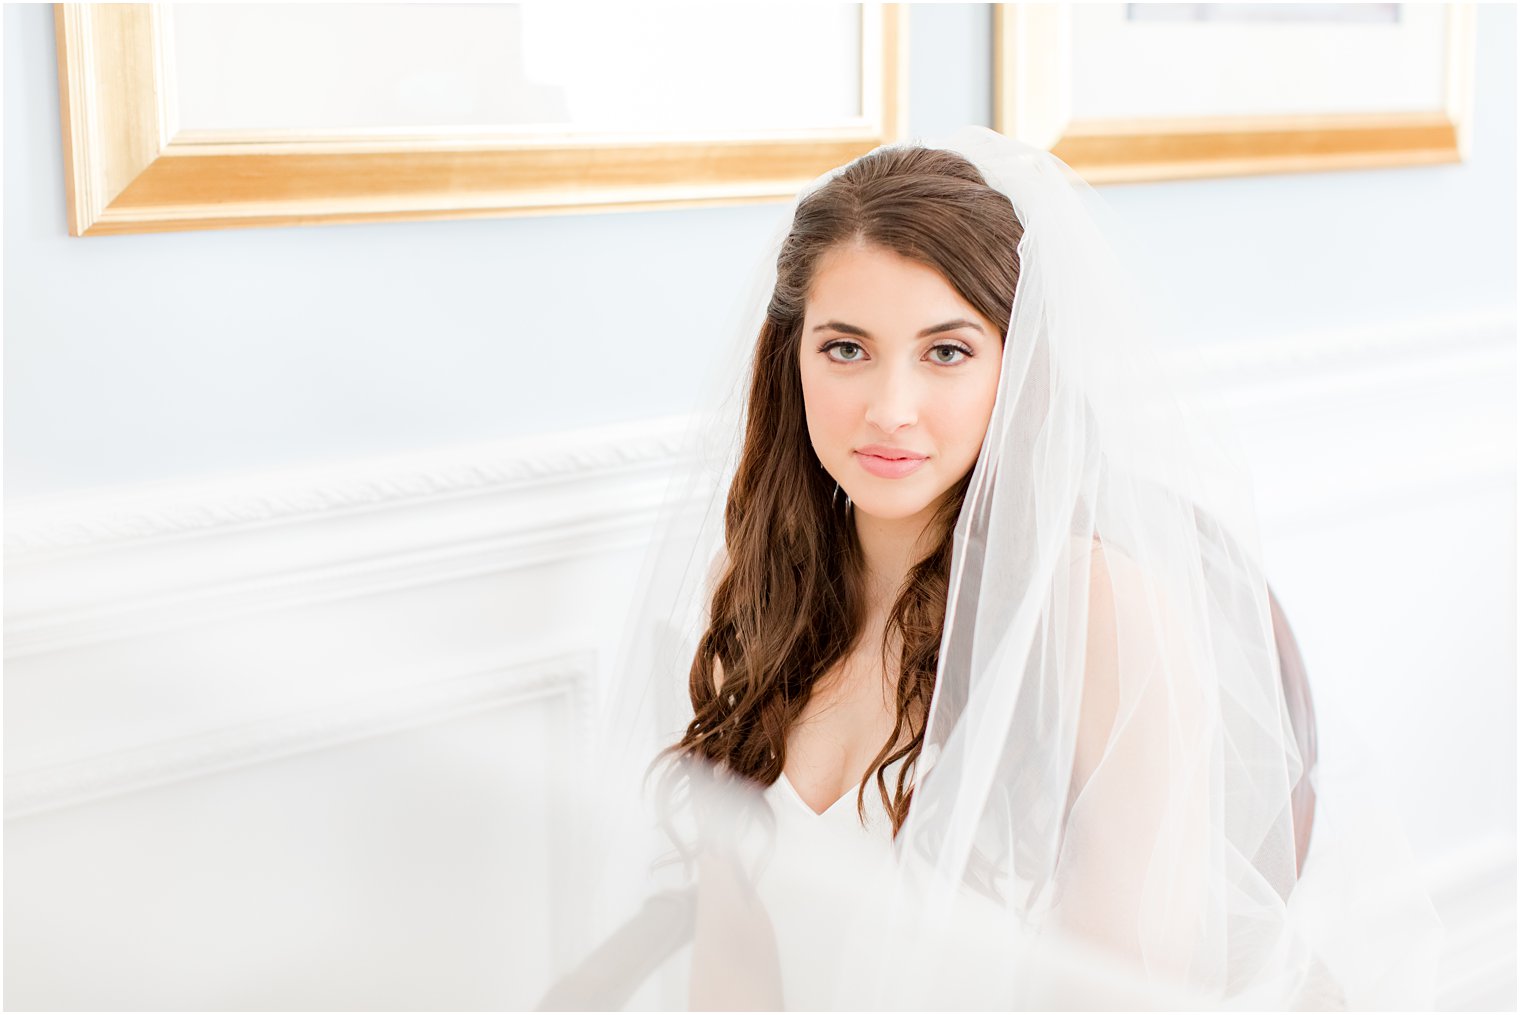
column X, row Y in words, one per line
column 809, row 807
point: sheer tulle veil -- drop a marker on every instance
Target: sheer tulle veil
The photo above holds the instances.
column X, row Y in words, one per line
column 1102, row 812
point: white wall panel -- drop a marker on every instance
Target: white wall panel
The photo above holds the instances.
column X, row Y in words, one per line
column 395, row 871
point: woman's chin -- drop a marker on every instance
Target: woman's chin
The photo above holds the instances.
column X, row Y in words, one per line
column 891, row 509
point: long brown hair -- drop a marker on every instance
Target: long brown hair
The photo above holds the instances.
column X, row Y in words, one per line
column 791, row 599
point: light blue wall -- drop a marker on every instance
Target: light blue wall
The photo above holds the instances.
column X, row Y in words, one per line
column 155, row 357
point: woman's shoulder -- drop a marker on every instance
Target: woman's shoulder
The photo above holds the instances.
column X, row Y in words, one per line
column 1111, row 571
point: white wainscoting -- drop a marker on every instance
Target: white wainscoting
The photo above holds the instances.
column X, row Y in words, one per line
column 273, row 741
column 301, row 741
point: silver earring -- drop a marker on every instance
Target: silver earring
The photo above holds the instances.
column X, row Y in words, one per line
column 835, row 499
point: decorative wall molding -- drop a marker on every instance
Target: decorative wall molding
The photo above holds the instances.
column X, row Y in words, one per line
column 98, row 520
column 508, row 683
column 97, row 567
column 113, row 564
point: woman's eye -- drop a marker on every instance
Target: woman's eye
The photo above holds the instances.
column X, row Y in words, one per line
column 955, row 351
column 834, row 348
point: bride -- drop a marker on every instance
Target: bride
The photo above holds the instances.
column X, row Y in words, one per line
column 987, row 703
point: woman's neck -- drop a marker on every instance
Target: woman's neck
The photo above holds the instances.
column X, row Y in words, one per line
column 890, row 547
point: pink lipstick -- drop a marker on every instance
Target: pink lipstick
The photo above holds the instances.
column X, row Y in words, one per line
column 888, row 462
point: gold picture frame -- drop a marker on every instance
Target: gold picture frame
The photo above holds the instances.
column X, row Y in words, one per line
column 1032, row 85
column 130, row 170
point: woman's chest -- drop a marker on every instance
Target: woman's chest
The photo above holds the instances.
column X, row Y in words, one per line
column 847, row 720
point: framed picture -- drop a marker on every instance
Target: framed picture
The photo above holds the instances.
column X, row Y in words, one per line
column 1161, row 91
column 208, row 116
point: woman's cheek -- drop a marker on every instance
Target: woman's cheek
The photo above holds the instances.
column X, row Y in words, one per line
column 835, row 407
column 828, row 420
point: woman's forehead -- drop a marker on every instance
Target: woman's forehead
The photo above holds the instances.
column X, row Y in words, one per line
column 870, row 287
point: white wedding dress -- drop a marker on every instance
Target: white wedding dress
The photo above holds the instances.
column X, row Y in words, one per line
column 808, row 909
column 819, row 886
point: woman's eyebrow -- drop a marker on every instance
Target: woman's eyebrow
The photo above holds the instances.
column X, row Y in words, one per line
column 850, row 329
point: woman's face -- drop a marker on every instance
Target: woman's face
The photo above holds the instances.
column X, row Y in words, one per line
column 899, row 374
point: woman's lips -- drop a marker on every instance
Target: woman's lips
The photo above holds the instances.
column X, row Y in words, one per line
column 888, row 468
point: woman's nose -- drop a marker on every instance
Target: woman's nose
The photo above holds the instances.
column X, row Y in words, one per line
column 893, row 402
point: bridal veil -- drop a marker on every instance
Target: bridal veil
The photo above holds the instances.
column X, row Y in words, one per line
column 1103, row 813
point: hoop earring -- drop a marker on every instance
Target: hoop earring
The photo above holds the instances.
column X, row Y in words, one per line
column 835, row 499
